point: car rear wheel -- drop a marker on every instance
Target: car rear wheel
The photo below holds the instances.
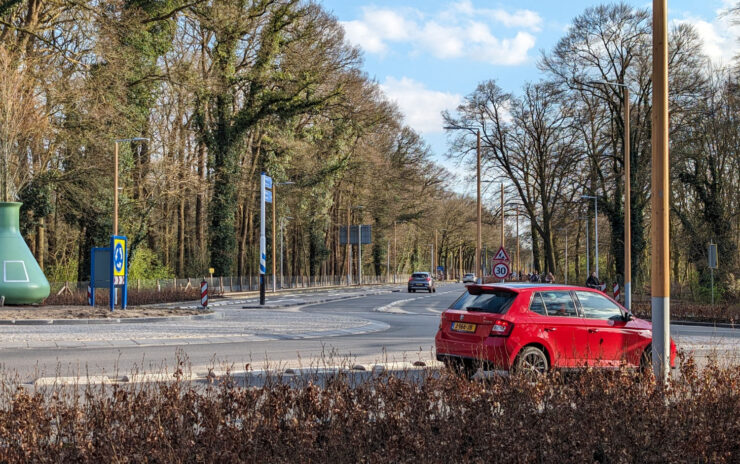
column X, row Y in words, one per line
column 531, row 363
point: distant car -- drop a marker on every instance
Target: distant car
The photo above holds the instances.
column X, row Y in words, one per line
column 469, row 278
column 532, row 328
column 421, row 281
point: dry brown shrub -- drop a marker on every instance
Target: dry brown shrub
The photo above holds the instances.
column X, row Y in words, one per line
column 697, row 312
column 587, row 417
column 135, row 297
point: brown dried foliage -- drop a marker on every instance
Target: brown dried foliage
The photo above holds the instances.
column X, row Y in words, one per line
column 698, row 312
column 589, row 417
column 135, row 297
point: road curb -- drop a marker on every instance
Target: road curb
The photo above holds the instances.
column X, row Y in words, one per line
column 119, row 320
column 314, row 302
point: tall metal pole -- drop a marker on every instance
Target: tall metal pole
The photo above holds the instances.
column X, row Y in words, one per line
column 359, row 252
column 459, row 255
column 479, row 240
column 588, row 249
column 627, row 204
column 503, row 215
column 349, row 247
column 434, row 256
column 272, row 243
column 566, row 256
column 596, row 234
column 518, row 263
column 388, row 263
column 115, row 190
column 263, row 244
column 282, row 256
column 485, row 260
column 395, row 253
column 660, row 194
column 431, row 259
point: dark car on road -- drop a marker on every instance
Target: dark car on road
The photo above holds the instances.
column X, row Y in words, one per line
column 421, row 281
column 532, row 328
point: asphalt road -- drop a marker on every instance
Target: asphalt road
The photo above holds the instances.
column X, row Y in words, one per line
column 380, row 324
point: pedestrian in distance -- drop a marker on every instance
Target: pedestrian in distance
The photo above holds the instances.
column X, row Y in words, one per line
column 535, row 277
column 593, row 281
column 549, row 278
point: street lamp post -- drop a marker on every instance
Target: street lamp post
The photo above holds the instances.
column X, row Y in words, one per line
column 359, row 247
column 588, row 245
column 596, row 231
column 282, row 255
column 565, row 229
column 627, row 195
column 274, row 252
column 479, row 240
column 115, row 178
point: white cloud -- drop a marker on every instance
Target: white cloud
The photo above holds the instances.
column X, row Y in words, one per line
column 720, row 36
column 462, row 31
column 420, row 106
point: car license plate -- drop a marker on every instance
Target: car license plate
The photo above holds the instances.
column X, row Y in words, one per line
column 463, row 327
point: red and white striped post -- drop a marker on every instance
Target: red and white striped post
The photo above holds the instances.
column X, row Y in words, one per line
column 204, row 293
column 616, row 291
column 89, row 296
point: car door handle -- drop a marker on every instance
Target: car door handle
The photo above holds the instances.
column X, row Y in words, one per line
column 550, row 329
column 593, row 330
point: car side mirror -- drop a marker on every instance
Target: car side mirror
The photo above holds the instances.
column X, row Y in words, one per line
column 628, row 317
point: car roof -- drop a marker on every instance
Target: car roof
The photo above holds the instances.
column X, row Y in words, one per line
column 521, row 286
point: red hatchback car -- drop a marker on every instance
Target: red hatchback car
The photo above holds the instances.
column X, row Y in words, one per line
column 533, row 327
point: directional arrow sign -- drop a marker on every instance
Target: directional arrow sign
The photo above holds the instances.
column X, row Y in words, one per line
column 119, row 257
column 501, row 255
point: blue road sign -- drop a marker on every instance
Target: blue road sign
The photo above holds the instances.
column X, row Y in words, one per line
column 268, row 196
column 118, row 257
column 268, row 182
column 441, row 268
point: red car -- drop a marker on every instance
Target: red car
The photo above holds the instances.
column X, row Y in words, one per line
column 533, row 328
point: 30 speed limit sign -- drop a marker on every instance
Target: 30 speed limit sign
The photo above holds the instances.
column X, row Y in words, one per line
column 501, row 270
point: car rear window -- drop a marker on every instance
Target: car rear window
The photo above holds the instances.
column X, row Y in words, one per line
column 419, row 275
column 489, row 301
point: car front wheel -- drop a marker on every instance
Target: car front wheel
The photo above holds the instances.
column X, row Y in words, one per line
column 531, row 363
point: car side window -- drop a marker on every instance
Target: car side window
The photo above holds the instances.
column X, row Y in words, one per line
column 536, row 305
column 559, row 303
column 597, row 306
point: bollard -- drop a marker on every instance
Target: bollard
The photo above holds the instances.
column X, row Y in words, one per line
column 204, row 294
column 616, row 291
column 89, row 296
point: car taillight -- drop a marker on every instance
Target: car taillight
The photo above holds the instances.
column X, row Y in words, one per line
column 501, row 328
column 410, row 279
column 429, row 279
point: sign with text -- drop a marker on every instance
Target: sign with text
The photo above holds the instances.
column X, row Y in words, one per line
column 501, row 270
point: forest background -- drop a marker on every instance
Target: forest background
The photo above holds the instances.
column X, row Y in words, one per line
column 227, row 89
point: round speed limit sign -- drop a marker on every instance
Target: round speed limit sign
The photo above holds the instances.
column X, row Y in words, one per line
column 501, row 270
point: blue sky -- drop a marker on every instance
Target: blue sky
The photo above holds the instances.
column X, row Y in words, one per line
column 428, row 54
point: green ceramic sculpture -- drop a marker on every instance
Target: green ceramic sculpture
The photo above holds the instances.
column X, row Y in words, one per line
column 21, row 279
